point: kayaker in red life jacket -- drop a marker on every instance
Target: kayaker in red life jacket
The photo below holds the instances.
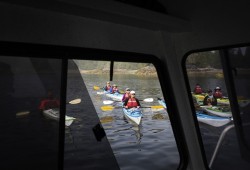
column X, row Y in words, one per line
column 197, row 89
column 49, row 102
column 126, row 94
column 210, row 99
column 217, row 92
column 107, row 87
column 132, row 101
column 114, row 89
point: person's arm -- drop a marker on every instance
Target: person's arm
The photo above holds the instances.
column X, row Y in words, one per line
column 111, row 90
column 215, row 101
column 125, row 103
column 123, row 97
column 138, row 103
column 205, row 101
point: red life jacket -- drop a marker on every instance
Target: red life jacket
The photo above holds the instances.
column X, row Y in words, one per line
column 107, row 88
column 48, row 103
column 115, row 89
column 132, row 103
column 218, row 94
column 198, row 90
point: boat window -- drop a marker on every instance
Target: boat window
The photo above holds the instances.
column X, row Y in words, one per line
column 212, row 88
column 29, row 137
column 239, row 75
column 56, row 114
column 137, row 137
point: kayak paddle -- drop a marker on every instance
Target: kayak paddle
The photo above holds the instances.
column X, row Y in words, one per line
column 109, row 107
column 75, row 101
column 111, row 101
column 96, row 88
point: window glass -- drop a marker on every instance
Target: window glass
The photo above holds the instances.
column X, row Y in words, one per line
column 147, row 143
column 240, row 69
column 97, row 132
column 213, row 110
column 29, row 137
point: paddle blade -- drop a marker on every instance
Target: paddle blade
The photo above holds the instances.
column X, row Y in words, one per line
column 23, row 113
column 148, row 100
column 157, row 107
column 96, row 88
column 100, row 93
column 107, row 108
column 76, row 101
column 108, row 102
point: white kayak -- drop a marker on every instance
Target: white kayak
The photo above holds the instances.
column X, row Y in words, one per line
column 134, row 114
column 215, row 121
column 54, row 114
column 115, row 96
column 219, row 111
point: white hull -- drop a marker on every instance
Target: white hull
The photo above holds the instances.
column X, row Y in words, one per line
column 136, row 118
column 54, row 114
column 115, row 96
column 218, row 113
column 212, row 120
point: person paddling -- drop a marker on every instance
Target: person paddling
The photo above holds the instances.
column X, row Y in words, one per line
column 114, row 89
column 210, row 99
column 126, row 94
column 217, row 92
column 198, row 89
column 108, row 86
column 49, row 102
column 132, row 101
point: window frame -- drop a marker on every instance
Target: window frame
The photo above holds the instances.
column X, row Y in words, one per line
column 66, row 53
column 231, row 93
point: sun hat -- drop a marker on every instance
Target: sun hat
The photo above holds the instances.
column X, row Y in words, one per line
column 127, row 89
column 217, row 88
column 132, row 92
column 114, row 85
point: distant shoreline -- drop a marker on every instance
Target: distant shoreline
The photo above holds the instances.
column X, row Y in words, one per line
column 150, row 71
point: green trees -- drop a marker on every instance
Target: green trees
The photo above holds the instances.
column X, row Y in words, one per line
column 209, row 59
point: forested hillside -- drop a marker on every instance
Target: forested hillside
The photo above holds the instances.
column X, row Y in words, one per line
column 195, row 62
column 105, row 65
column 210, row 59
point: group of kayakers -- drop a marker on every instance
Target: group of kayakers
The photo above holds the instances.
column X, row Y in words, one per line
column 111, row 88
column 211, row 96
column 129, row 100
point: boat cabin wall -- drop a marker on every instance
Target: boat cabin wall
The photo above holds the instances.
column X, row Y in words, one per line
column 201, row 25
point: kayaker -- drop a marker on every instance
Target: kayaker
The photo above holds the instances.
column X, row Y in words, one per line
column 114, row 89
column 132, row 101
column 196, row 104
column 108, row 86
column 217, row 92
column 126, row 94
column 210, row 99
column 198, row 89
column 49, row 102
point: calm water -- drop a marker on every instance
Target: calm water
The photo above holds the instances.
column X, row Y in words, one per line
column 151, row 145
column 151, row 141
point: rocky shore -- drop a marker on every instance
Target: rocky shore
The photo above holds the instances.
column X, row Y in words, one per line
column 151, row 71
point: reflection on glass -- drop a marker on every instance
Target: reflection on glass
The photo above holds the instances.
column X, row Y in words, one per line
column 29, row 140
column 240, row 65
column 213, row 110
